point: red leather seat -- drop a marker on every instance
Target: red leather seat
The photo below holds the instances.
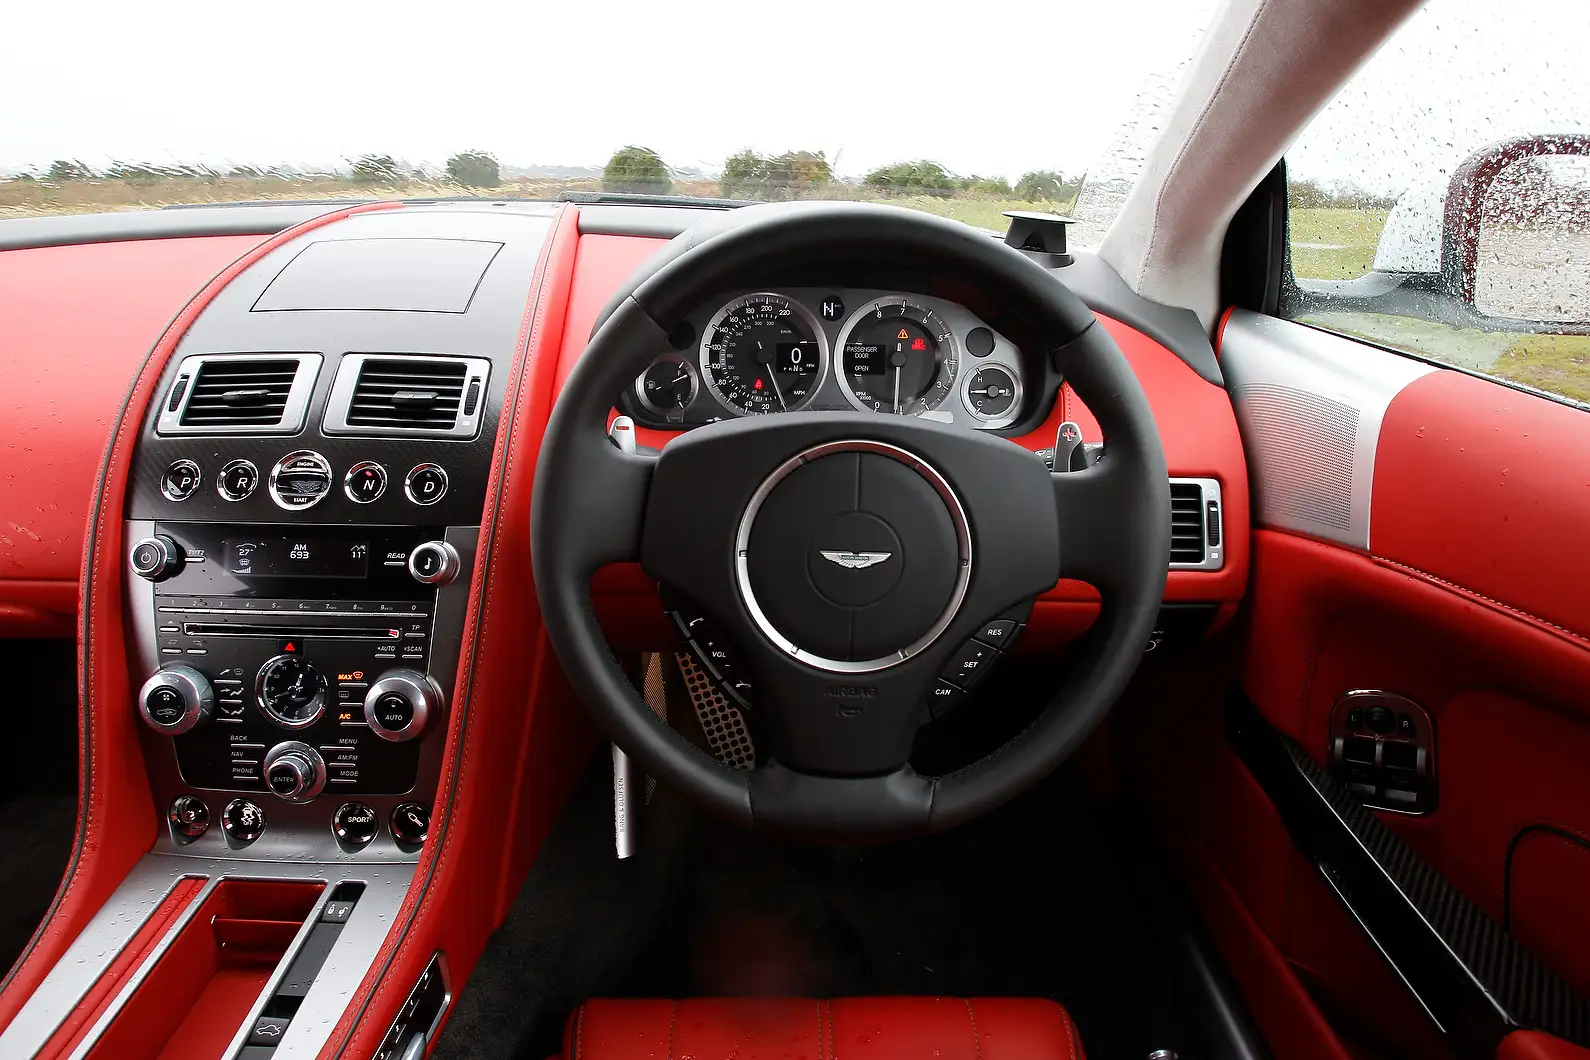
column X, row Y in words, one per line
column 860, row 1028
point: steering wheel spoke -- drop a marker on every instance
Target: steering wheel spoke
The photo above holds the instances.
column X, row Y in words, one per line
column 1100, row 511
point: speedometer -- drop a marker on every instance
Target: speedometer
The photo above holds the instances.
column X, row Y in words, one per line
column 763, row 353
column 897, row 355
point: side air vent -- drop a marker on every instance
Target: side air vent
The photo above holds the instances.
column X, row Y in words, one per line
column 1197, row 524
column 439, row 397
column 239, row 393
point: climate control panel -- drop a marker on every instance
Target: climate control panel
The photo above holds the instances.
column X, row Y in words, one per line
column 294, row 662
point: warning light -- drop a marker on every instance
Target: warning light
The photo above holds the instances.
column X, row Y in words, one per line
column 904, row 334
column 919, row 344
column 290, row 646
column 758, row 385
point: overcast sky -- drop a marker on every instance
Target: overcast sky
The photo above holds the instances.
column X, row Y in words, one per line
column 992, row 87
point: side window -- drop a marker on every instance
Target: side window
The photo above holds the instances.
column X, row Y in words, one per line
column 1440, row 204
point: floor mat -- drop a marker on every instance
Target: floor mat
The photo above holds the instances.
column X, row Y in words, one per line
column 36, row 832
column 1039, row 899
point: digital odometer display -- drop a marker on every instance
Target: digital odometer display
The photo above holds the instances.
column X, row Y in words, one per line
column 762, row 353
column 896, row 355
column 295, row 557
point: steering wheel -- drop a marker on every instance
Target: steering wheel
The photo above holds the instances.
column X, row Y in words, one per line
column 740, row 516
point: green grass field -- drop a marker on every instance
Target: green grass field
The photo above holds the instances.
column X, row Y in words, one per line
column 1334, row 244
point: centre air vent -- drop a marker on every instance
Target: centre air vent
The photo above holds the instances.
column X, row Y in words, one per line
column 407, row 394
column 1196, row 524
column 239, row 393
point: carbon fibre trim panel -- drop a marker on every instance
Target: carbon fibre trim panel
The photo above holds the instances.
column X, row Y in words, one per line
column 1474, row 980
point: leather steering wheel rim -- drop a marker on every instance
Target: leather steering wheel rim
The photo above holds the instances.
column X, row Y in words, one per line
column 591, row 502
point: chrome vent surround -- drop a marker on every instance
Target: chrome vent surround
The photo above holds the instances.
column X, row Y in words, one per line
column 1197, row 524
column 239, row 393
column 408, row 394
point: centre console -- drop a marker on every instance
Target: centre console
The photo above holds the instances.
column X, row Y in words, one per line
column 303, row 501
column 294, row 673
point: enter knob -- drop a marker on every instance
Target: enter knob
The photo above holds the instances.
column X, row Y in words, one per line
column 401, row 703
column 295, row 771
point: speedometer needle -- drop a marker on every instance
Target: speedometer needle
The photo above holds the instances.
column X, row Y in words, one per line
column 772, row 377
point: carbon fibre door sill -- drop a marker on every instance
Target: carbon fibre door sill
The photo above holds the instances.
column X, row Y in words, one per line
column 1473, row 979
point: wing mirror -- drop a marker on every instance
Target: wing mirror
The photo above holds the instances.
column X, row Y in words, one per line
column 1508, row 236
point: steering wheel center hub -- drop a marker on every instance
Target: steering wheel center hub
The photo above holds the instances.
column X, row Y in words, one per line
column 853, row 556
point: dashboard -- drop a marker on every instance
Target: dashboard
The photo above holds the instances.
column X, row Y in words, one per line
column 793, row 349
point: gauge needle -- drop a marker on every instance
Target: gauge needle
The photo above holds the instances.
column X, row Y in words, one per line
column 898, row 360
column 767, row 362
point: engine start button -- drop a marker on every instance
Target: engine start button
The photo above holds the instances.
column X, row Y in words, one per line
column 300, row 480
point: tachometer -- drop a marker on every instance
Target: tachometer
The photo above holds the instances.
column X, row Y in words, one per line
column 896, row 355
column 763, row 353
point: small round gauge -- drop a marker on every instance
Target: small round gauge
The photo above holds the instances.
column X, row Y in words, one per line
column 991, row 392
column 763, row 353
column 896, row 355
column 668, row 385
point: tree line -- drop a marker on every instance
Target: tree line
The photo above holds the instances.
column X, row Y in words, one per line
column 746, row 174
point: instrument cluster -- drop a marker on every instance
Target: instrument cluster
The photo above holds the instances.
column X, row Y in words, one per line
column 788, row 350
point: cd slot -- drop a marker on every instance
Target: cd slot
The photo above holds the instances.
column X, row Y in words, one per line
column 240, row 629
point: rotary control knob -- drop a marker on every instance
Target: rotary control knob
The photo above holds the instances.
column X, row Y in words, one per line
column 401, row 703
column 290, row 691
column 434, row 563
column 176, row 699
column 156, row 558
column 295, row 771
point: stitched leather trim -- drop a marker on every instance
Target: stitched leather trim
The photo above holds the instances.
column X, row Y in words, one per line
column 1545, row 624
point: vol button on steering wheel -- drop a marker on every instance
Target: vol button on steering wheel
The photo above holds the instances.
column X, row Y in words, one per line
column 849, row 555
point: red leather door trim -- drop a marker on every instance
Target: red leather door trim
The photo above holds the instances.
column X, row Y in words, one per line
column 116, row 816
column 1487, row 489
column 75, row 321
column 1533, row 1045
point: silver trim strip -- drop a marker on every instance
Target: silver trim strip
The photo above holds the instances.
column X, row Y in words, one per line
column 148, row 884
column 742, row 542
column 477, row 370
column 293, row 413
column 1262, row 354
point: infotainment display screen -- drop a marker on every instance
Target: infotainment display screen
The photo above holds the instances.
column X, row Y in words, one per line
column 295, row 557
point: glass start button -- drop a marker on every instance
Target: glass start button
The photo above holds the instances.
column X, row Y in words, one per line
column 300, row 480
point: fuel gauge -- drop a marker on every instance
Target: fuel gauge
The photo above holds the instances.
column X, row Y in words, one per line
column 668, row 386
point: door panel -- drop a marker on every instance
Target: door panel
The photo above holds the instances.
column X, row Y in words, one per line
column 1439, row 555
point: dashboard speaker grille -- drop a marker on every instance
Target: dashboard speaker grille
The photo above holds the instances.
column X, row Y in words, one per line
column 1303, row 454
column 408, row 393
column 239, row 393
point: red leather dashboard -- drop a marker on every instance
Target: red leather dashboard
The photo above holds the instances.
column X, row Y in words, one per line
column 75, row 322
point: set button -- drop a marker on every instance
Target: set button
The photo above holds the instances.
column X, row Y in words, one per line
column 969, row 665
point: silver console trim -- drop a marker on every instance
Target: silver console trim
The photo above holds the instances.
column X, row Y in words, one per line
column 293, row 414
column 148, row 884
column 1277, row 365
